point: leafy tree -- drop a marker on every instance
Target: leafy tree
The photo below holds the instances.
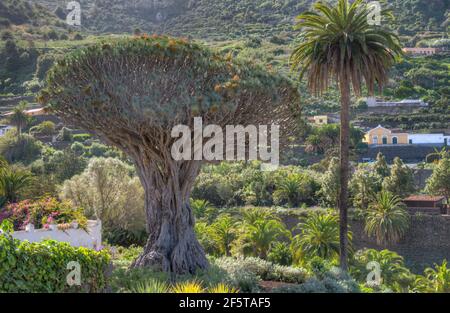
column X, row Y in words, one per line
column 331, row 183
column 63, row 165
column 337, row 42
column 387, row 220
column 439, row 182
column 23, row 149
column 107, row 190
column 401, row 180
column 364, row 184
column 162, row 82
column 380, row 166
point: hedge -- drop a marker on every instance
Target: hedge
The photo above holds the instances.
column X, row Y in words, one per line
column 42, row 267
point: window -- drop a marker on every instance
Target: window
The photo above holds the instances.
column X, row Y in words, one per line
column 375, row 140
column 410, row 141
column 394, row 140
column 384, row 140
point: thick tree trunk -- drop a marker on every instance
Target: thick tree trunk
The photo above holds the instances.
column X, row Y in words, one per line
column 344, row 171
column 172, row 245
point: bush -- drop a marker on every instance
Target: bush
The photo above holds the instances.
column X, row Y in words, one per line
column 42, row 267
column 81, row 137
column 65, row 134
column 44, row 62
column 238, row 275
column 334, row 281
column 280, row 253
column 23, row 148
column 263, row 269
column 118, row 201
column 46, row 128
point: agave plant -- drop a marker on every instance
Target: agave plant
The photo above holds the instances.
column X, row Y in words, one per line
column 387, row 220
column 193, row 286
column 222, row 288
column 151, row 286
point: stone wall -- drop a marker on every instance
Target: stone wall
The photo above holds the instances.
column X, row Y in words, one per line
column 426, row 242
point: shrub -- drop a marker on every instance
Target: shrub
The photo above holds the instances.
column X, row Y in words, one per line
column 81, row 137
column 435, row 280
column 238, row 275
column 22, row 148
column 118, row 201
column 288, row 274
column 46, row 128
column 334, row 281
column 44, row 63
column 42, row 267
column 65, row 134
column 263, row 269
column 280, row 253
column 394, row 274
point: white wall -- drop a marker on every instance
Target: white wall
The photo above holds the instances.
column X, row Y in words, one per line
column 75, row 237
column 426, row 138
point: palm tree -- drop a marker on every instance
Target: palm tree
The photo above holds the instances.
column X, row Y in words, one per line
column 223, row 232
column 387, row 220
column 338, row 43
column 12, row 182
column 262, row 233
column 19, row 118
column 319, row 236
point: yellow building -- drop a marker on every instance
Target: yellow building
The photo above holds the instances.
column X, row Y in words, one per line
column 383, row 136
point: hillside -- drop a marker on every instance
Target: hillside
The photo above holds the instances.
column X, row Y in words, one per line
column 231, row 19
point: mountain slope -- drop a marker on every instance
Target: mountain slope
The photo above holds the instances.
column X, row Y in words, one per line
column 220, row 19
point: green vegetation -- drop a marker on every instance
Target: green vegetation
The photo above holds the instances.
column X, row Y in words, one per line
column 41, row 267
column 255, row 231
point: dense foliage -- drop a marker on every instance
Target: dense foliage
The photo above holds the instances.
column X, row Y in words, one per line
column 43, row 267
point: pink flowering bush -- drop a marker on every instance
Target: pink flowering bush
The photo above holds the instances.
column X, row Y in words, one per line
column 42, row 213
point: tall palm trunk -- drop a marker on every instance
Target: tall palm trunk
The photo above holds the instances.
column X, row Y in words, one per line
column 344, row 169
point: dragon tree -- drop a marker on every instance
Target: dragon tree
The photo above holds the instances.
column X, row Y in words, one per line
column 132, row 92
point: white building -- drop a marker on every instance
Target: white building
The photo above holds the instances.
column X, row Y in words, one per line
column 418, row 139
column 373, row 102
column 4, row 129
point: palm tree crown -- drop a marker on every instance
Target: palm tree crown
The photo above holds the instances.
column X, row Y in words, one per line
column 338, row 43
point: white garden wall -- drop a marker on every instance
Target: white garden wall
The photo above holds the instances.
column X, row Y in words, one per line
column 75, row 237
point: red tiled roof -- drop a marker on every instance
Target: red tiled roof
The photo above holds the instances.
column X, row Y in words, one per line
column 424, row 198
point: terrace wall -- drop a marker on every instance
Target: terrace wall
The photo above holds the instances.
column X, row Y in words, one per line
column 426, row 242
column 76, row 237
